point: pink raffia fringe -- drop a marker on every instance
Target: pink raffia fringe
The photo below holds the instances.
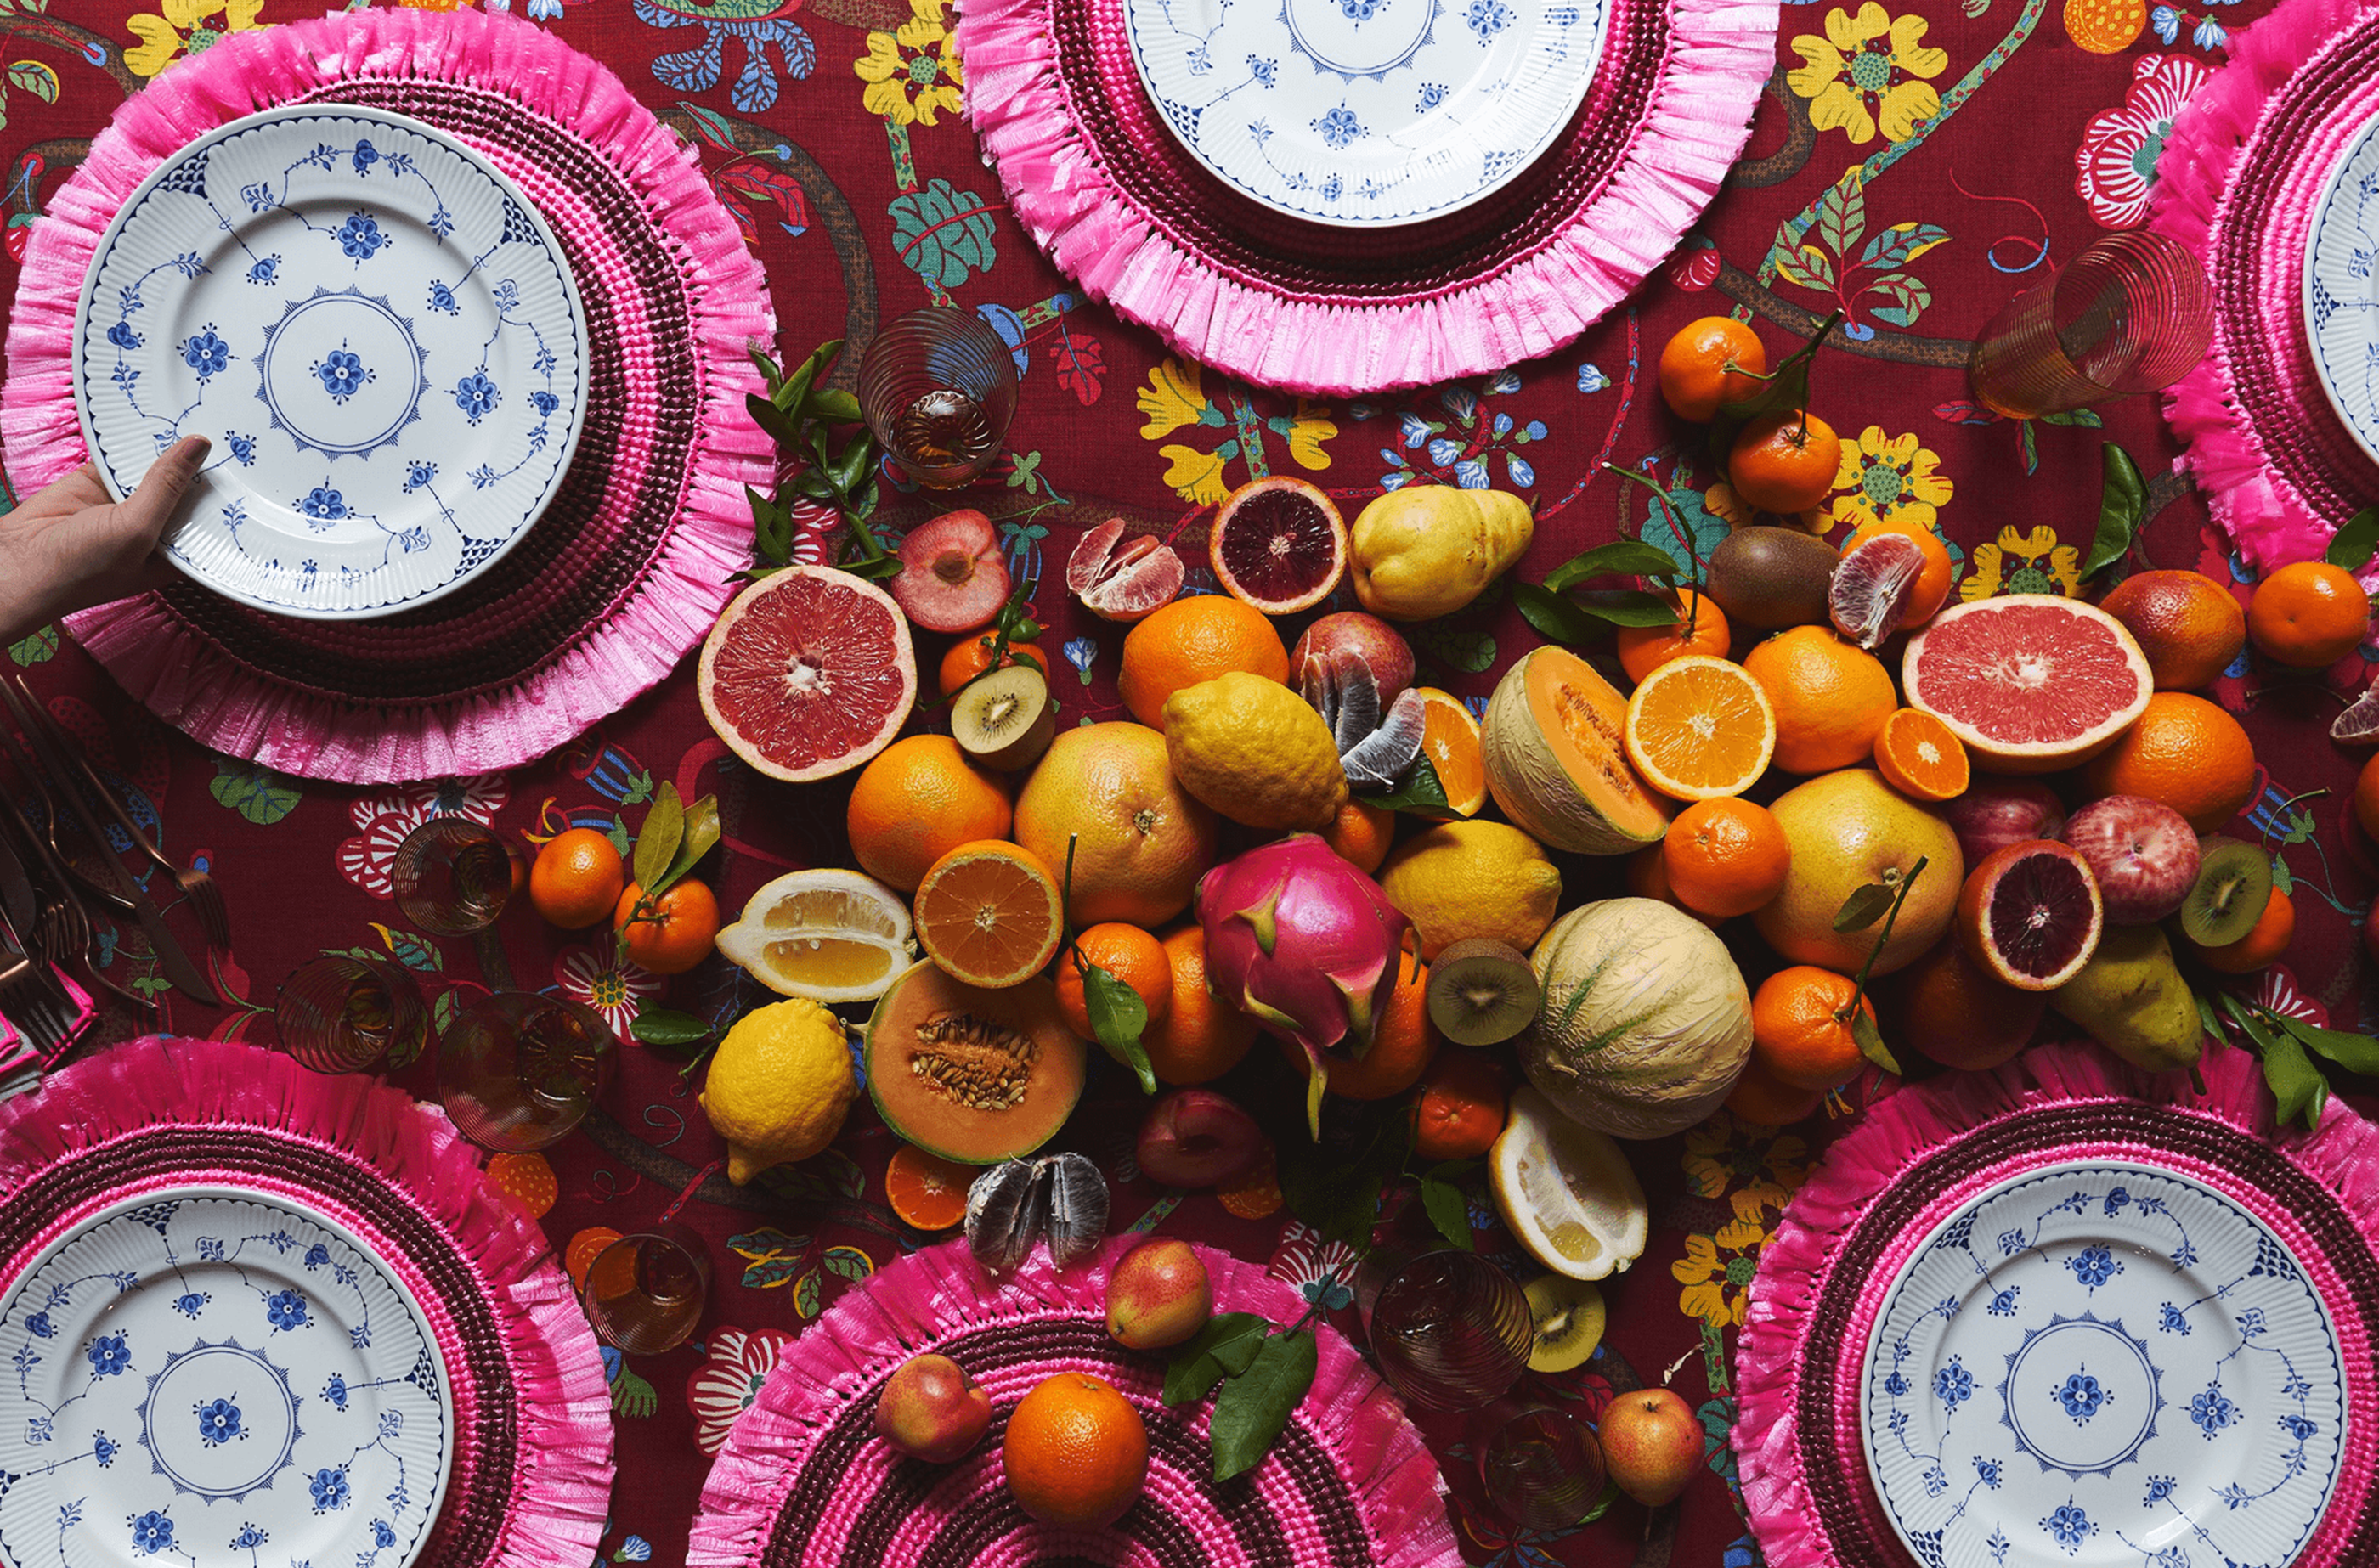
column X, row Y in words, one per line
column 2214, row 138
column 557, row 1492
column 2341, row 1154
column 202, row 688
column 830, row 1376
column 1695, row 121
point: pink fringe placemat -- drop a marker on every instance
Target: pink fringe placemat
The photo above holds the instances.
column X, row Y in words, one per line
column 804, row 1482
column 2237, row 183
column 628, row 565
column 1922, row 1154
column 1101, row 185
column 531, row 1482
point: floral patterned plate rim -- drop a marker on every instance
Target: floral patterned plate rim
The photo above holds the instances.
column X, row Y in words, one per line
column 2101, row 1363
column 2341, row 290
column 214, row 1376
column 378, row 331
column 1366, row 112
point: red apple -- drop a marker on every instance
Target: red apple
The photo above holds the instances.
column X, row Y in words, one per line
column 1196, row 1137
column 930, row 1409
column 2143, row 853
column 1996, row 812
column 1652, row 1444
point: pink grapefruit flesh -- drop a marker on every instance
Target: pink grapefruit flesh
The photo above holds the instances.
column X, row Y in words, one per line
column 2030, row 914
column 2031, row 683
column 1872, row 586
column 1120, row 579
column 1279, row 545
column 809, row 673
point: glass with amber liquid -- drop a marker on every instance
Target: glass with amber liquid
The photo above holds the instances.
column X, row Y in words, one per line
column 938, row 387
column 519, row 1071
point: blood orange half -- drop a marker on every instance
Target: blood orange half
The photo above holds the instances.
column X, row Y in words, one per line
column 1278, row 543
column 809, row 673
column 2031, row 683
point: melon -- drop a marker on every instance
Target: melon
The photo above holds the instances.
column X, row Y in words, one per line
column 2029, row 682
column 1646, row 1022
column 1557, row 761
column 972, row 1075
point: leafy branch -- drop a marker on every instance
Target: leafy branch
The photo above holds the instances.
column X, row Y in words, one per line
column 824, row 431
column 1785, row 391
column 1877, row 900
column 2287, row 1046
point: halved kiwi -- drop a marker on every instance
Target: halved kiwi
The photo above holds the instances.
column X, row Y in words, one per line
column 1569, row 1316
column 2234, row 883
column 1481, row 992
column 1005, row 719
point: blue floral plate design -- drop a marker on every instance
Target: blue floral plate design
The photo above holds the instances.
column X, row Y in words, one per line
column 2103, row 1364
column 213, row 1378
column 1366, row 112
column 2341, row 289
column 378, row 331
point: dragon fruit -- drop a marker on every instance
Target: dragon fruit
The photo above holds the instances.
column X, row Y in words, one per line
column 1306, row 944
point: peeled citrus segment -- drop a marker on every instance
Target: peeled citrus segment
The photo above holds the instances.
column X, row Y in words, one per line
column 1872, row 588
column 1921, row 756
column 989, row 913
column 1449, row 738
column 829, row 935
column 1566, row 1191
column 1699, row 728
column 2031, row 683
column 808, row 673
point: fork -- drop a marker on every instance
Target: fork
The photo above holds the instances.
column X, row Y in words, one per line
column 198, row 887
column 62, row 927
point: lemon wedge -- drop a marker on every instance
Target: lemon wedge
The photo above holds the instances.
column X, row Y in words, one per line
column 827, row 935
column 1566, row 1191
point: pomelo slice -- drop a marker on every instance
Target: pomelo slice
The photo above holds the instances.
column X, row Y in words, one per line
column 1278, row 543
column 2031, row 683
column 808, row 674
column 1566, row 1192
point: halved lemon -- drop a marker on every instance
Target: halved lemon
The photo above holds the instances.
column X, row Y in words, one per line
column 1699, row 728
column 829, row 935
column 1566, row 1191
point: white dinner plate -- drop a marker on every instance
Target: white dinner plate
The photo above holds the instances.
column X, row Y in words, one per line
column 2103, row 1364
column 378, row 331
column 1366, row 112
column 216, row 1378
column 2341, row 289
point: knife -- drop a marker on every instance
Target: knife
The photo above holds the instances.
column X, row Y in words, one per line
column 16, row 901
column 185, row 975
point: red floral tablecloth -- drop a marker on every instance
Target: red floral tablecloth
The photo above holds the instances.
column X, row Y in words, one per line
column 1912, row 164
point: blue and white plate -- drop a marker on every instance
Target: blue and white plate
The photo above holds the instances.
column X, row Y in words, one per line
column 2102, row 1364
column 378, row 331
column 1366, row 112
column 211, row 1378
column 2341, row 289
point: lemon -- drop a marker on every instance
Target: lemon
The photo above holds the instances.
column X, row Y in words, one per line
column 1462, row 880
column 1566, row 1192
column 1256, row 751
column 779, row 1086
column 829, row 935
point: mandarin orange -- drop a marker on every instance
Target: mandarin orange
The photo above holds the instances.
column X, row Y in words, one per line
column 1794, row 1032
column 1725, row 858
column 2309, row 614
column 672, row 933
column 1194, row 640
column 1716, row 359
column 2184, row 752
column 576, row 879
column 1075, row 1452
column 971, row 656
column 1701, row 629
column 918, row 800
column 1127, row 952
column 1201, row 1037
column 1784, row 461
column 1831, row 698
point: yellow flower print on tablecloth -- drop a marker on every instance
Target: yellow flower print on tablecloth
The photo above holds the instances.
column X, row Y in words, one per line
column 1888, row 479
column 913, row 74
column 1716, row 1272
column 2023, row 563
column 1869, row 72
column 1768, row 1164
column 185, row 26
column 1174, row 398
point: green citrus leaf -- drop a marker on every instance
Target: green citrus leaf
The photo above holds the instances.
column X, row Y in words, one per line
column 1225, row 1347
column 1254, row 1407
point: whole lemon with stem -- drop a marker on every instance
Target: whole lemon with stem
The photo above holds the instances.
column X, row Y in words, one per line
column 779, row 1086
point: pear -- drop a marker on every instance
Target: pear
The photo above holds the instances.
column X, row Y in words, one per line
column 2133, row 1000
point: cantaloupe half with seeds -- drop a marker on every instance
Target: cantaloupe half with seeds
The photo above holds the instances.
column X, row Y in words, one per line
column 1557, row 760
column 972, row 1075
column 1645, row 1022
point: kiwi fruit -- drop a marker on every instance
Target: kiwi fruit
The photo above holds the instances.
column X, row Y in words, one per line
column 1481, row 992
column 2234, row 883
column 1768, row 578
column 1569, row 1317
column 1005, row 719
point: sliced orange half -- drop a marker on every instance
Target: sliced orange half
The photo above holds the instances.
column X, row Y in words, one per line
column 1919, row 755
column 1699, row 728
column 928, row 1192
column 989, row 913
column 1450, row 738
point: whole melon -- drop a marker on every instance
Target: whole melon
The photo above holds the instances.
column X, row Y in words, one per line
column 1556, row 762
column 1646, row 1022
column 1848, row 829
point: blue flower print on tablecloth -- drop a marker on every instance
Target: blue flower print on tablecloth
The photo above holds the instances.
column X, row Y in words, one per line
column 217, row 1421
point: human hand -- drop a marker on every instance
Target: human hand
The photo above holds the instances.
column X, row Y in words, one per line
column 68, row 546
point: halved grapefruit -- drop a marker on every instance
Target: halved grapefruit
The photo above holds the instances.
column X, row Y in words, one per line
column 1278, row 543
column 809, row 673
column 2031, row 683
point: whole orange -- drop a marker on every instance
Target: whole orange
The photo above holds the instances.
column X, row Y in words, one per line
column 1362, row 835
column 971, row 656
column 576, row 879
column 2187, row 624
column 2309, row 615
column 1460, row 1109
column 1702, row 629
column 672, row 933
column 1794, row 1032
column 1403, row 1044
column 1201, row 1037
column 1127, row 952
column 2260, row 946
column 2366, row 796
column 1763, row 1098
column 1832, row 698
column 1725, row 857
column 1932, row 582
column 1075, row 1452
column 1784, row 461
column 917, row 801
column 2184, row 752
column 1703, row 365
column 1192, row 640
column 1138, row 840
column 1648, row 875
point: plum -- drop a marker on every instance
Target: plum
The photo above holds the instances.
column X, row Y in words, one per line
column 1158, row 1296
column 1196, row 1137
column 930, row 1409
column 952, row 576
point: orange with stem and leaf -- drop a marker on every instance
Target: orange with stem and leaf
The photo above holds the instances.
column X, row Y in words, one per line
column 666, row 920
column 1715, row 360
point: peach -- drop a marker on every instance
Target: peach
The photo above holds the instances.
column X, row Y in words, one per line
column 1158, row 1296
column 930, row 1409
